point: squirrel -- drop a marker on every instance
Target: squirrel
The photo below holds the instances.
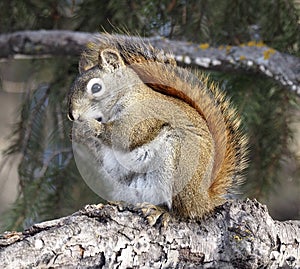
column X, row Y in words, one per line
column 159, row 133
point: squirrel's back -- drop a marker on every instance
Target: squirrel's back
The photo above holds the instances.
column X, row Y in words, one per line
column 158, row 70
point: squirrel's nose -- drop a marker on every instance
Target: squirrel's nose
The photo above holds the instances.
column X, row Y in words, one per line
column 70, row 116
column 74, row 115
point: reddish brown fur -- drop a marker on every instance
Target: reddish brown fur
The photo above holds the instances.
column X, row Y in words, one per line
column 152, row 65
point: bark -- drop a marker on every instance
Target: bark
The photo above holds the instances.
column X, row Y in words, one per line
column 239, row 234
column 255, row 58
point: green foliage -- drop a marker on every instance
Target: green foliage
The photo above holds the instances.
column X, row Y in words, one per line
column 50, row 185
column 217, row 22
column 33, row 14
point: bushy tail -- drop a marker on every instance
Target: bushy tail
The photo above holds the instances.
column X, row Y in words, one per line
column 231, row 169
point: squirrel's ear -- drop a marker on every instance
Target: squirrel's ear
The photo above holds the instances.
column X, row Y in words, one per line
column 110, row 59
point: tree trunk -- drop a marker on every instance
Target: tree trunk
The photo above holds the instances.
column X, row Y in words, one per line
column 239, row 234
column 255, row 58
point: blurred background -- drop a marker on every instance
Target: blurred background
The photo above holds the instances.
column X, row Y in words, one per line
column 38, row 176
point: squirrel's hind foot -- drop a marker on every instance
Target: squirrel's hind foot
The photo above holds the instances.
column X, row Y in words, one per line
column 155, row 215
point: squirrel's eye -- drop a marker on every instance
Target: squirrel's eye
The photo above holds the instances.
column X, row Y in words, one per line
column 95, row 86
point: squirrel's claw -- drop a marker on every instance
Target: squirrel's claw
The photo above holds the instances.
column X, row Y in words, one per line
column 155, row 215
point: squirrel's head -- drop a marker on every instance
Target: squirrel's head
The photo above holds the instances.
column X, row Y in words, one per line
column 99, row 86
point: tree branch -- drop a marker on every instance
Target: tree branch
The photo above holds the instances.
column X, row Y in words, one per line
column 255, row 58
column 238, row 235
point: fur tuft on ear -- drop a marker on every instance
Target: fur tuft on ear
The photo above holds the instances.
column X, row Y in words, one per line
column 110, row 59
column 85, row 64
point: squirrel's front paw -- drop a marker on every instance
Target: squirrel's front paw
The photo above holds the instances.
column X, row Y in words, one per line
column 155, row 215
column 83, row 130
